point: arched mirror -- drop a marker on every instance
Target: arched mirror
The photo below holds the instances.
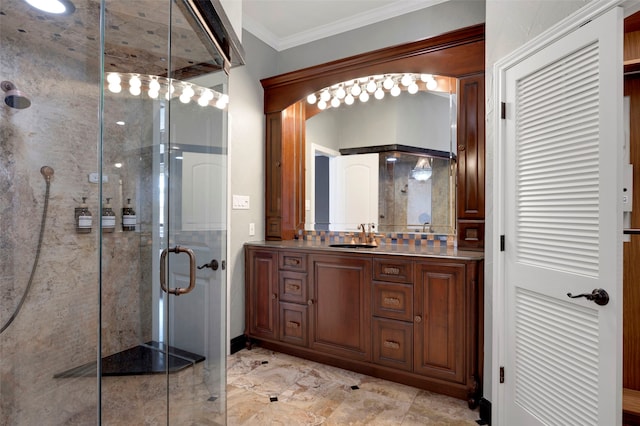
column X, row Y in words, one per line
column 411, row 134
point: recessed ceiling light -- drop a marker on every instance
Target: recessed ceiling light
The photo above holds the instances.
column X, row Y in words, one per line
column 120, row 123
column 58, row 7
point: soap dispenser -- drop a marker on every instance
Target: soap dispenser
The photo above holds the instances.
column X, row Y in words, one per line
column 128, row 217
column 108, row 217
column 83, row 218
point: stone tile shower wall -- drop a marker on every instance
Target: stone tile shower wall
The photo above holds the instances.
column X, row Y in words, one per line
column 57, row 328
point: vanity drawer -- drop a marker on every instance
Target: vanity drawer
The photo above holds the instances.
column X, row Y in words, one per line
column 393, row 270
column 293, row 323
column 393, row 343
column 393, row 301
column 293, row 286
column 293, row 261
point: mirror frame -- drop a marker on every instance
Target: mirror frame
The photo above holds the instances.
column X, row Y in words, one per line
column 457, row 54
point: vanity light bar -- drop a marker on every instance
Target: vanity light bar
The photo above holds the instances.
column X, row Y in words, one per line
column 377, row 86
column 167, row 88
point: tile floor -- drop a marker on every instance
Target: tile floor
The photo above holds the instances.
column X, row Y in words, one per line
column 309, row 393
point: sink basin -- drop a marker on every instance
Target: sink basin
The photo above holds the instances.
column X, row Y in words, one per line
column 349, row 245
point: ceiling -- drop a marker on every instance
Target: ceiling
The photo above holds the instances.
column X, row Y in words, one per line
column 283, row 24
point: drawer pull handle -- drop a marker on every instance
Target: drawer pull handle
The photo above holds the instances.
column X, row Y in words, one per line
column 391, row 344
column 392, row 301
column 292, row 261
column 293, row 324
column 293, row 287
column 417, row 319
column 388, row 270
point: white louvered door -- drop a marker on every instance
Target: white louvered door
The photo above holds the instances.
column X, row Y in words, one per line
column 563, row 230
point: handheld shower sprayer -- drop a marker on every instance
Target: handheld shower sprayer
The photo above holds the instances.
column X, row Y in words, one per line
column 47, row 173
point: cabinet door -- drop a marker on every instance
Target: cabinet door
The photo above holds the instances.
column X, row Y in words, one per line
column 340, row 306
column 439, row 321
column 471, row 164
column 262, row 293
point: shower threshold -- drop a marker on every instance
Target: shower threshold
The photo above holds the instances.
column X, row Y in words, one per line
column 147, row 358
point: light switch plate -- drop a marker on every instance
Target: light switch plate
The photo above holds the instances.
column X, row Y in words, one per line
column 240, row 202
column 252, row 229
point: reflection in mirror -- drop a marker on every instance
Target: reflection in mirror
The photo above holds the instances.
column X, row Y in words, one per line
column 410, row 136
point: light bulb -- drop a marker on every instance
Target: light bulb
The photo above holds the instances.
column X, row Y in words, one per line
column 379, row 93
column 340, row 93
column 154, row 85
column 188, row 91
column 220, row 103
column 207, row 94
column 395, row 91
column 413, row 88
column 203, row 101
column 432, row 84
column 356, row 90
column 312, row 98
column 134, row 90
column 335, row 102
column 134, row 81
column 184, row 98
column 371, row 86
column 349, row 99
column 113, row 78
column 153, row 94
column 388, row 83
column 364, row 97
column 224, row 98
column 406, row 80
column 325, row 95
column 322, row 104
column 170, row 91
column 115, row 87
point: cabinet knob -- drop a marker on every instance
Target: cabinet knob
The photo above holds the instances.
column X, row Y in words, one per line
column 461, row 147
column 310, row 302
column 417, row 318
column 274, row 296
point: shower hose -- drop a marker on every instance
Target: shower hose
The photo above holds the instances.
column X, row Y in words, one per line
column 47, row 172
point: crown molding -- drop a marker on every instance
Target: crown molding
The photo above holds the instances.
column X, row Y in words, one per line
column 365, row 18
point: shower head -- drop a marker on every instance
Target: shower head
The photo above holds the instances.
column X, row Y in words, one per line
column 14, row 97
column 47, row 172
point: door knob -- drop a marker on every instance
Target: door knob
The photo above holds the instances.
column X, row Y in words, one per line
column 213, row 265
column 598, row 295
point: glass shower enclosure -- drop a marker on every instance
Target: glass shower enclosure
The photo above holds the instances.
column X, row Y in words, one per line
column 113, row 217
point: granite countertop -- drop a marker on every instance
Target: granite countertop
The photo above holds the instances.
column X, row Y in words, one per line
column 387, row 249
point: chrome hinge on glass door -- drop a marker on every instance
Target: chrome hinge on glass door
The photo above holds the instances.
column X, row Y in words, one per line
column 192, row 270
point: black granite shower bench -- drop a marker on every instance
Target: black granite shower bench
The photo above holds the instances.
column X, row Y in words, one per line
column 148, row 358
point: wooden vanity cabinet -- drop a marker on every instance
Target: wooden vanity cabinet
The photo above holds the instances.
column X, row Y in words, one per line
column 414, row 320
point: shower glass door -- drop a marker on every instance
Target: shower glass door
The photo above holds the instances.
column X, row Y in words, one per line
column 164, row 160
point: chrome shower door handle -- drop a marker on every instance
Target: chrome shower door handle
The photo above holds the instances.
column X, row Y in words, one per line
column 163, row 270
